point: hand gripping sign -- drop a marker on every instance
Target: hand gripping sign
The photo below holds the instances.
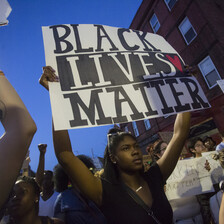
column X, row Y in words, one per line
column 112, row 75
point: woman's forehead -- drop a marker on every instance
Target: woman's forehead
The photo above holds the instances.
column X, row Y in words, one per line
column 127, row 140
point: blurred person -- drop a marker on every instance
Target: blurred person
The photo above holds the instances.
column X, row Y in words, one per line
column 185, row 209
column 19, row 130
column 71, row 205
column 24, row 204
column 123, row 172
column 209, row 143
column 45, row 180
column 220, row 146
column 196, row 147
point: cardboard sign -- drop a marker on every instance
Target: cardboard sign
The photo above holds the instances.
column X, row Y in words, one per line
column 5, row 10
column 191, row 178
column 113, row 75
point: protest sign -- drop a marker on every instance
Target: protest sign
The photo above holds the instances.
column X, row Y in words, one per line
column 113, row 75
column 5, row 10
column 189, row 178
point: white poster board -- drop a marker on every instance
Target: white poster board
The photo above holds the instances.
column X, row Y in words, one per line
column 191, row 178
column 5, row 10
column 113, row 75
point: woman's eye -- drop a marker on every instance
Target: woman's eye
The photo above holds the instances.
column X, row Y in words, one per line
column 125, row 148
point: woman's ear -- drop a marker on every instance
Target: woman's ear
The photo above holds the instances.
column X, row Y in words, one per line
column 112, row 159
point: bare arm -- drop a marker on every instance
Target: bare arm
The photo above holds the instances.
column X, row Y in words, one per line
column 169, row 159
column 14, row 143
column 40, row 169
column 221, row 211
column 79, row 174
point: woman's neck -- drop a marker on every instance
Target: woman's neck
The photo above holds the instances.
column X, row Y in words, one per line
column 133, row 180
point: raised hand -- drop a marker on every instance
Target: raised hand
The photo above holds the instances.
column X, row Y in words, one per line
column 48, row 76
column 42, row 148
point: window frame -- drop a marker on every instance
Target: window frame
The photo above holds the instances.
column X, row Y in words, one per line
column 186, row 18
column 135, row 128
column 147, row 127
column 167, row 4
column 204, row 75
column 157, row 22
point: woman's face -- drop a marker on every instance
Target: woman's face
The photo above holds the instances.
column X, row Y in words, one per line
column 23, row 199
column 199, row 147
column 128, row 155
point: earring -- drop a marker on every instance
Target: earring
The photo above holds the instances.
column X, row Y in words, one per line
column 36, row 201
column 114, row 162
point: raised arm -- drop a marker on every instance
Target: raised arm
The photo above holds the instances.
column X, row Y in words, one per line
column 14, row 143
column 40, row 169
column 78, row 173
column 170, row 157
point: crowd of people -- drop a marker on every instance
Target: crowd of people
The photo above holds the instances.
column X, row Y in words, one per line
column 123, row 192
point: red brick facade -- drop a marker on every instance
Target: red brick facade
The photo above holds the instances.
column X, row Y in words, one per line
column 206, row 17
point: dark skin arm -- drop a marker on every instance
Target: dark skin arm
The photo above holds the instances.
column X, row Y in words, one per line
column 14, row 143
column 71, row 164
column 40, row 170
column 170, row 157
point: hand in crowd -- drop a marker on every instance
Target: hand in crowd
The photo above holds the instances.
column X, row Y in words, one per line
column 42, row 148
column 207, row 165
column 48, row 75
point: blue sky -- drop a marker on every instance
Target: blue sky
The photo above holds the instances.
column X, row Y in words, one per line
column 22, row 58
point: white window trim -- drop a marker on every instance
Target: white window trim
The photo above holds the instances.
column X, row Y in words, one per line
column 199, row 65
column 146, row 125
column 155, row 24
column 183, row 34
column 135, row 129
column 168, row 5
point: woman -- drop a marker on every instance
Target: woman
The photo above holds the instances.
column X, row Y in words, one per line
column 23, row 206
column 123, row 173
column 14, row 143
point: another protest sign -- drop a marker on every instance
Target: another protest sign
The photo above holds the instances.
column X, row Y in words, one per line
column 113, row 75
column 189, row 178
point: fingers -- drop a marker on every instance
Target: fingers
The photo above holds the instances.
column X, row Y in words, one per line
column 48, row 76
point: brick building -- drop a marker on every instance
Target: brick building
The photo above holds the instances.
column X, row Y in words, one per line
column 195, row 29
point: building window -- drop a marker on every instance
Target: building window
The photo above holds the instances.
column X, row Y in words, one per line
column 126, row 129
column 170, row 3
column 154, row 22
column 209, row 72
column 187, row 30
column 135, row 128
column 147, row 124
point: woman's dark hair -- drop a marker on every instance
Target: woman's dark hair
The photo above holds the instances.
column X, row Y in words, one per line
column 114, row 137
column 61, row 179
column 191, row 144
column 37, row 190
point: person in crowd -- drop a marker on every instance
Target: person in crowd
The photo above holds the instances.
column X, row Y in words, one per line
column 196, row 147
column 19, row 130
column 45, row 180
column 220, row 146
column 71, row 205
column 209, row 143
column 185, row 209
column 23, row 205
column 123, row 176
column 221, row 210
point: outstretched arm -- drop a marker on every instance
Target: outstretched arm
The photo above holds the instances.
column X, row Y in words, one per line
column 170, row 157
column 40, row 169
column 14, row 143
column 78, row 173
